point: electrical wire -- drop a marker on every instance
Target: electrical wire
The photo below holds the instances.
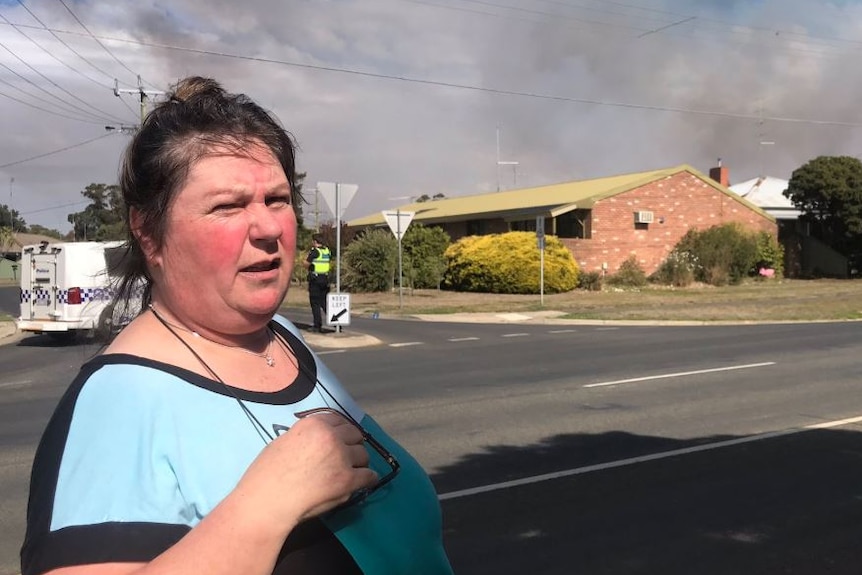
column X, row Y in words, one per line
column 99, row 42
column 46, row 154
column 497, row 91
column 103, row 117
column 63, row 42
column 13, row 98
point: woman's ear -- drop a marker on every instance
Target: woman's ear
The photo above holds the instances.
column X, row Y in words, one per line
column 148, row 245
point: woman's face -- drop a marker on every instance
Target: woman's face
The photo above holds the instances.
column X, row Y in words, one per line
column 229, row 247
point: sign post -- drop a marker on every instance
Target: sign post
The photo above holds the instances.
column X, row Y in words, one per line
column 337, row 196
column 540, row 238
column 398, row 222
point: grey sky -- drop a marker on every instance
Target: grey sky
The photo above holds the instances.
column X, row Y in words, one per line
column 670, row 82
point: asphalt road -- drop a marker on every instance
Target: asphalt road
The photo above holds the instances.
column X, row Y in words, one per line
column 582, row 449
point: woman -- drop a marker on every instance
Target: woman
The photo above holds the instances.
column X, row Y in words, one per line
column 208, row 438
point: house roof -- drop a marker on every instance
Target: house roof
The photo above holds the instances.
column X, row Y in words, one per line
column 550, row 201
column 768, row 193
column 20, row 239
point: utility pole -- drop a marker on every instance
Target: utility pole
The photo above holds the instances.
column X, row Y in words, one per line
column 144, row 94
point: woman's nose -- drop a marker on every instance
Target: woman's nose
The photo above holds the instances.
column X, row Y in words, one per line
column 265, row 223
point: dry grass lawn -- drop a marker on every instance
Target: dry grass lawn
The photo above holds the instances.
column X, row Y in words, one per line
column 752, row 301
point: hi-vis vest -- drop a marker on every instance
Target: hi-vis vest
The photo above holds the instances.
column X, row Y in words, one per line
column 321, row 262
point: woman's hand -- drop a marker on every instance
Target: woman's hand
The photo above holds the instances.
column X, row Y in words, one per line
column 312, row 468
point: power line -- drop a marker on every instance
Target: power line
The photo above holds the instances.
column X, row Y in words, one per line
column 51, row 54
column 73, row 69
column 43, row 109
column 497, row 91
column 78, row 145
column 48, row 102
column 103, row 117
column 99, row 42
column 63, row 42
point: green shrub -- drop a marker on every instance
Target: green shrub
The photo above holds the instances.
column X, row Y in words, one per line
column 590, row 281
column 509, row 263
column 770, row 254
column 629, row 275
column 725, row 254
column 370, row 262
column 677, row 270
column 423, row 262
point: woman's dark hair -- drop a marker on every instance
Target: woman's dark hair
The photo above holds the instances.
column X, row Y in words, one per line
column 197, row 117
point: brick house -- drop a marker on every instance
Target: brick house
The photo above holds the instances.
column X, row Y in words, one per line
column 602, row 221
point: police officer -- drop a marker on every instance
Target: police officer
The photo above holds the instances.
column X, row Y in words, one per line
column 318, row 279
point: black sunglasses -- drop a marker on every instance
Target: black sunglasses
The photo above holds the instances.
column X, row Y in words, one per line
column 379, row 448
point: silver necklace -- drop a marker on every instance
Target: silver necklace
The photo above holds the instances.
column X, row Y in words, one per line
column 266, row 355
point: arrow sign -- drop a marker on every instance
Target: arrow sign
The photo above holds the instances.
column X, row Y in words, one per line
column 345, row 193
column 335, row 317
column 398, row 221
column 337, row 309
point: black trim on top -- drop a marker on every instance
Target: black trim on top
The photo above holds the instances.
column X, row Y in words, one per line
column 294, row 392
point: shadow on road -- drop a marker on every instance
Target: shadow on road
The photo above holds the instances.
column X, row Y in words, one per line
column 790, row 504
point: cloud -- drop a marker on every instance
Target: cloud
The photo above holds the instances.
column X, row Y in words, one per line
column 405, row 97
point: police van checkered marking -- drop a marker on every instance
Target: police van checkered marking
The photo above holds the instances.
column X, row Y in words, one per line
column 42, row 296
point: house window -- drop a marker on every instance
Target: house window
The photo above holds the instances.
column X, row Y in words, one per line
column 575, row 224
column 523, row 226
column 477, row 227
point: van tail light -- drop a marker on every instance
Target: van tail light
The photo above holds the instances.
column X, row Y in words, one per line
column 74, row 296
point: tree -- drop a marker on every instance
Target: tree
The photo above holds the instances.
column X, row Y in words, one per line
column 102, row 219
column 828, row 192
column 423, row 254
column 43, row 231
column 297, row 206
column 10, row 218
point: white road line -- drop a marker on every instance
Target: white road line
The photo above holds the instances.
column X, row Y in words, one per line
column 515, row 335
column 454, row 339
column 680, row 374
column 331, row 351
column 645, row 458
column 16, row 383
column 607, row 328
column 562, row 331
column 405, row 344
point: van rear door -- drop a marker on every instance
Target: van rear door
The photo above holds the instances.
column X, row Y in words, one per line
column 43, row 286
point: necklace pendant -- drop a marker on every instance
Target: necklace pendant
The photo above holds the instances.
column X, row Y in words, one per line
column 270, row 361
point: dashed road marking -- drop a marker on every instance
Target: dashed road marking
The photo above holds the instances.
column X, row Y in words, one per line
column 515, row 335
column 406, row 344
column 680, row 374
column 454, row 339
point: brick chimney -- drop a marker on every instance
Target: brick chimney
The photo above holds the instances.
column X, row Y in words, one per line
column 720, row 174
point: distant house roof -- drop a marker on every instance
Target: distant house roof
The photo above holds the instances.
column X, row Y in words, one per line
column 767, row 193
column 21, row 239
column 550, row 201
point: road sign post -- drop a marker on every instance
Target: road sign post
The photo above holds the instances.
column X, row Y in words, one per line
column 398, row 222
column 540, row 239
column 337, row 197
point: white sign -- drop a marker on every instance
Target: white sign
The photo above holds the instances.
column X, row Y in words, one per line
column 540, row 226
column 337, row 309
column 398, row 221
column 332, row 191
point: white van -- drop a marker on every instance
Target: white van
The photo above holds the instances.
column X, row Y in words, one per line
column 66, row 288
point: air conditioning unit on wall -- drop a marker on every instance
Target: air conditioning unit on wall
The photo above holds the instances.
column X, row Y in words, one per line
column 643, row 217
